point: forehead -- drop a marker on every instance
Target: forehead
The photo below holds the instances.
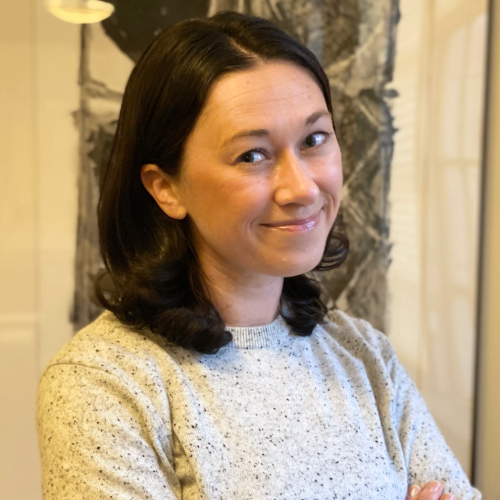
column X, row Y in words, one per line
column 277, row 90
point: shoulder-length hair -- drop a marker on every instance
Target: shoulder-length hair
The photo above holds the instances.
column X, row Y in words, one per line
column 153, row 278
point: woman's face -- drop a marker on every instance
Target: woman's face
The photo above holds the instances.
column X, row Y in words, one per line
column 262, row 156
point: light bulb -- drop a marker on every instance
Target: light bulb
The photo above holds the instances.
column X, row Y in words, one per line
column 80, row 11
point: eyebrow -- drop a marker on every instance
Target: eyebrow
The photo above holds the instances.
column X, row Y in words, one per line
column 264, row 132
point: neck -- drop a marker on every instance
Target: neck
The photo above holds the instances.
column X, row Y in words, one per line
column 243, row 299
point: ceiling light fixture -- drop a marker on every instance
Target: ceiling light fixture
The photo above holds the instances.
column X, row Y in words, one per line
column 80, row 11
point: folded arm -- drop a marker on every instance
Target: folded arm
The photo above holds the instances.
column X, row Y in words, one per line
column 100, row 438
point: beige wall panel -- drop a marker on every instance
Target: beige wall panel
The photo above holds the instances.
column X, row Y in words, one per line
column 19, row 459
column 435, row 189
column 18, row 185
column 38, row 167
column 488, row 424
column 19, row 468
column 405, row 218
column 57, row 64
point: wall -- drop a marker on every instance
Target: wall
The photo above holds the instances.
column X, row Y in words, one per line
column 488, row 418
column 38, row 161
column 435, row 201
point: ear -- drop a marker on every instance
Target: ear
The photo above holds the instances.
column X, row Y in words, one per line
column 163, row 189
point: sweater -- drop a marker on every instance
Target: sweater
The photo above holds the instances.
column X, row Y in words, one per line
column 125, row 415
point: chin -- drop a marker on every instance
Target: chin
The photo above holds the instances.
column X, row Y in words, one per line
column 290, row 268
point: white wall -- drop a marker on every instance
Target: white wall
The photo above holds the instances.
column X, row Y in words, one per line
column 435, row 195
column 38, row 171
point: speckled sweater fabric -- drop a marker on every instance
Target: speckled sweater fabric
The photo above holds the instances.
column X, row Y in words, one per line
column 127, row 416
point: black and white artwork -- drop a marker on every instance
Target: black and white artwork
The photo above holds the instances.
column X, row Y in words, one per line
column 354, row 41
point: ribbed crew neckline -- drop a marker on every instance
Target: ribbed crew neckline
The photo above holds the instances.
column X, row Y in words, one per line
column 256, row 337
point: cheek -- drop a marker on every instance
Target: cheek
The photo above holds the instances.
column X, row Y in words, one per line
column 336, row 173
column 330, row 181
column 222, row 208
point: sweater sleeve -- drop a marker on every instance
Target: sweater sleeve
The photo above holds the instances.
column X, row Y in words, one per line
column 426, row 453
column 100, row 437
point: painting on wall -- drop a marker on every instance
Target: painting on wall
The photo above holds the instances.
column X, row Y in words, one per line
column 354, row 40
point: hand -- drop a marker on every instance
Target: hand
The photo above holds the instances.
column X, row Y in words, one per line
column 431, row 491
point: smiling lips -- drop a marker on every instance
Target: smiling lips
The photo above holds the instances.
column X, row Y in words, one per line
column 297, row 225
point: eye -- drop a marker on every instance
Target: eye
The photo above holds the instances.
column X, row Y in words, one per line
column 311, row 140
column 250, row 156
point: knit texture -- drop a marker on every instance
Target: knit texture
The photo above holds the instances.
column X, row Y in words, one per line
column 126, row 415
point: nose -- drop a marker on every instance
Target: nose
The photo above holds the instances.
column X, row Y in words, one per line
column 294, row 182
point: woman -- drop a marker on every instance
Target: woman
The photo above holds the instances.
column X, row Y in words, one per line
column 215, row 372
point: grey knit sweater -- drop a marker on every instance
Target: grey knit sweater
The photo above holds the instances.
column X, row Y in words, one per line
column 125, row 415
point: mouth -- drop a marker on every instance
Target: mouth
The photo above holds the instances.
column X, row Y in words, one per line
column 297, row 225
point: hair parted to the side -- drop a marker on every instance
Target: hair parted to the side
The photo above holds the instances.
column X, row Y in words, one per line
column 153, row 278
